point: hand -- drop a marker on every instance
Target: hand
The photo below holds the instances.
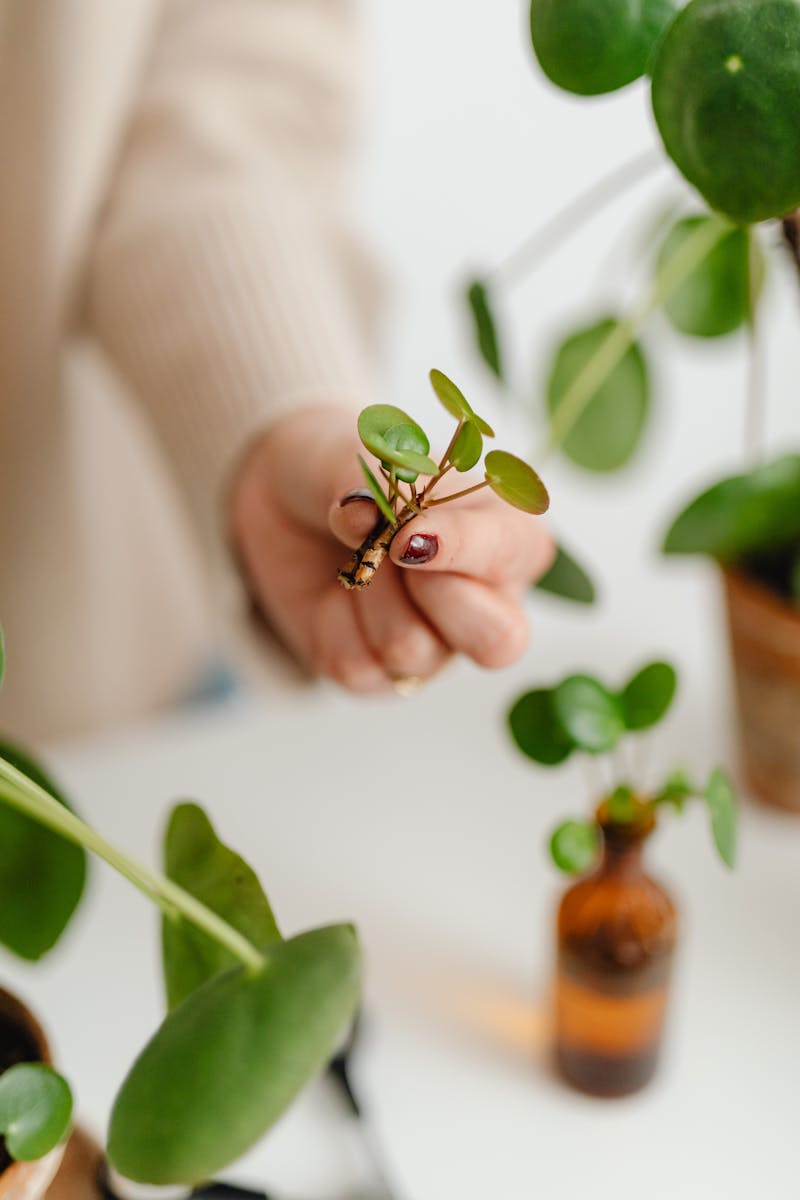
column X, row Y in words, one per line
column 454, row 583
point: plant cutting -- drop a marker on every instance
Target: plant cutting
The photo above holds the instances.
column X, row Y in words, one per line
column 722, row 81
column 616, row 927
column 402, row 449
column 251, row 1015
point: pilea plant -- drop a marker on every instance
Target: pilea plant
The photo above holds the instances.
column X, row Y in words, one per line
column 402, row 449
column 581, row 715
column 616, row 927
column 723, row 84
column 250, row 1018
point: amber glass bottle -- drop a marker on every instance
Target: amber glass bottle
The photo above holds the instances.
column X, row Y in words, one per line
column 616, row 935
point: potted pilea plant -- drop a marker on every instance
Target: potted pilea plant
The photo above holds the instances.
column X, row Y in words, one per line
column 251, row 1015
column 616, row 926
column 402, row 447
column 724, row 88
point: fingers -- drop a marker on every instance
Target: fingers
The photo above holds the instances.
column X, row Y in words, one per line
column 352, row 517
column 471, row 617
column 397, row 633
column 340, row 650
column 487, row 540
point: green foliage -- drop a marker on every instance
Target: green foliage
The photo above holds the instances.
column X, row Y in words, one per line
column 646, row 697
column 590, row 47
column 622, row 805
column 753, row 511
column 722, row 809
column 607, row 432
column 410, row 447
column 727, row 103
column 42, row 876
column 591, row 715
column 393, row 437
column 714, row 299
column 199, row 862
column 676, row 791
column 456, row 403
column 580, row 713
column 467, row 448
column 568, row 579
column 536, row 729
column 515, row 482
column 378, row 493
column 226, row 1062
column 574, row 846
column 35, row 1110
column 485, row 327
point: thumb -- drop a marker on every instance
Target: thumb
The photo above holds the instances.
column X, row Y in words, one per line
column 311, row 464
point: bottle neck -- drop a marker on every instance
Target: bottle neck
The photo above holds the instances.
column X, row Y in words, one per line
column 622, row 852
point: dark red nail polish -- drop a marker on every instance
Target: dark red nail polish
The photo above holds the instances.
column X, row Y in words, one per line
column 421, row 548
column 356, row 494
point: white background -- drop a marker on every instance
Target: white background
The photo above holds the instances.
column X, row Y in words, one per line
column 417, row 819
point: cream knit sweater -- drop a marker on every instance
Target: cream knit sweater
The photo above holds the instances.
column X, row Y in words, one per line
column 174, row 272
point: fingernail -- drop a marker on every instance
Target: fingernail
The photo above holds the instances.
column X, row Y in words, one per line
column 356, row 494
column 421, row 548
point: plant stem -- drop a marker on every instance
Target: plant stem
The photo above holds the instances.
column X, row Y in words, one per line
column 754, row 403
column 550, row 236
column 27, row 797
column 613, row 348
column 437, row 479
column 457, row 495
column 449, row 450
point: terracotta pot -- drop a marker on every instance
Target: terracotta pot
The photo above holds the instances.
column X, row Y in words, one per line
column 764, row 631
column 69, row 1172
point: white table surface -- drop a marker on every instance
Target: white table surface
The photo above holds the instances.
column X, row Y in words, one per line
column 418, row 820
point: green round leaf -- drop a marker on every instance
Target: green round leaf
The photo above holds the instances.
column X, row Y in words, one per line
column 485, row 327
column 727, row 103
column 715, row 298
column 42, row 875
column 468, row 447
column 375, row 419
column 515, row 482
column 758, row 510
column 647, row 696
column 456, row 403
column 574, row 846
column 722, row 809
column 409, row 446
column 384, row 430
column 568, row 579
column 608, row 430
column 35, row 1110
column 594, row 46
column 202, row 865
column 227, row 1062
column 536, row 729
column 589, row 713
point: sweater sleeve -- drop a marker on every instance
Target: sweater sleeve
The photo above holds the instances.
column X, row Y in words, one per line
column 223, row 282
